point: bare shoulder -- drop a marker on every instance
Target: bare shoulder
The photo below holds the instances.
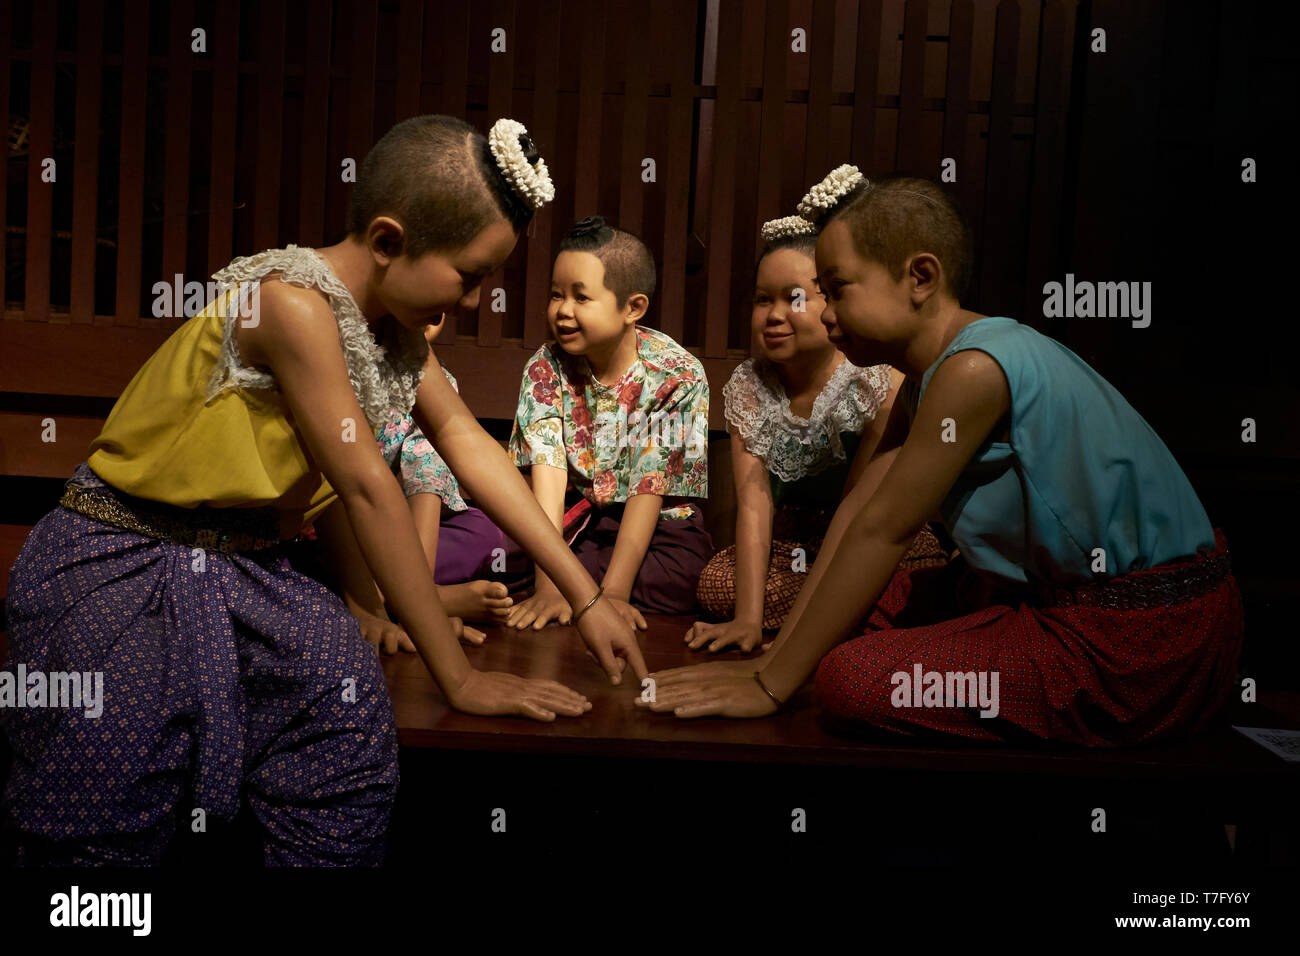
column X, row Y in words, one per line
column 971, row 375
column 288, row 317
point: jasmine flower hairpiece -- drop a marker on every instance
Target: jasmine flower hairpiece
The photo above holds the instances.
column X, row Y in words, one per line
column 510, row 144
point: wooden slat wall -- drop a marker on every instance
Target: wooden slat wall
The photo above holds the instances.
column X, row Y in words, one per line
column 876, row 73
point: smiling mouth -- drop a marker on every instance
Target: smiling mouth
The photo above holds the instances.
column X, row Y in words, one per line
column 560, row 330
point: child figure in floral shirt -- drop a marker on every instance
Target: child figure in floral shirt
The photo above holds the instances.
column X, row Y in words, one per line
column 619, row 413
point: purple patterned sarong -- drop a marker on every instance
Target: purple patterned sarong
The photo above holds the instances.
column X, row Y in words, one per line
column 224, row 674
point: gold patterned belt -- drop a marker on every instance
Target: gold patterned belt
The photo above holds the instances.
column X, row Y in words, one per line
column 227, row 530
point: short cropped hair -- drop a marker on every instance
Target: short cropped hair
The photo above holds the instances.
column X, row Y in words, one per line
column 895, row 218
column 436, row 176
column 629, row 267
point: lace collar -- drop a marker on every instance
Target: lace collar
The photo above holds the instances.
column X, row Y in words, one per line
column 758, row 410
column 384, row 373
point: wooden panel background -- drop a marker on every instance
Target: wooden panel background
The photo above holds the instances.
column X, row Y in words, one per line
column 170, row 160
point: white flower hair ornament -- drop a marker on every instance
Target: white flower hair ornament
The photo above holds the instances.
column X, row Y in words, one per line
column 785, row 227
column 822, row 197
column 530, row 180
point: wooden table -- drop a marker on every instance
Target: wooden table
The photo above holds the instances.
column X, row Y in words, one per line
column 615, row 726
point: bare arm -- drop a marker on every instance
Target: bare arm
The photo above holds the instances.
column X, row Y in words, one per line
column 426, row 513
column 754, row 512
column 335, row 534
column 549, row 484
column 298, row 339
column 637, row 527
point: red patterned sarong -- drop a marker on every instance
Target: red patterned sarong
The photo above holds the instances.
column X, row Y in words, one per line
column 1144, row 656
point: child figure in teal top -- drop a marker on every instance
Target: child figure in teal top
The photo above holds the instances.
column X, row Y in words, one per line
column 1094, row 603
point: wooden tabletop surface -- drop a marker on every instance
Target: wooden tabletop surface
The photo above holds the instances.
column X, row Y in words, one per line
column 615, row 726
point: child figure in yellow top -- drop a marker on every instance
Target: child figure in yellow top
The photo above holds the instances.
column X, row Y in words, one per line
column 224, row 671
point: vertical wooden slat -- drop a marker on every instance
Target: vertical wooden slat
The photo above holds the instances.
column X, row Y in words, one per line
column 455, row 81
column 866, row 81
column 317, row 164
column 718, row 302
column 998, row 185
column 1045, row 233
column 270, row 114
column 455, row 58
column 912, row 89
column 130, row 189
column 40, row 195
column 85, row 185
column 410, row 36
column 677, row 174
column 817, row 139
column 776, row 47
column 361, row 81
column 176, row 189
column 501, row 82
column 956, row 111
column 591, row 87
column 537, row 281
column 223, row 43
column 631, row 204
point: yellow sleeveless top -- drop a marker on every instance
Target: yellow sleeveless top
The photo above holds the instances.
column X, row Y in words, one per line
column 196, row 427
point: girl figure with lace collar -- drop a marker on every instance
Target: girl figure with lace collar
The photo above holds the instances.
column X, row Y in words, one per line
column 797, row 413
column 227, row 673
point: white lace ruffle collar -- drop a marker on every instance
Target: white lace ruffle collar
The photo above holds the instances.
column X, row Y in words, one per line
column 758, row 410
column 384, row 374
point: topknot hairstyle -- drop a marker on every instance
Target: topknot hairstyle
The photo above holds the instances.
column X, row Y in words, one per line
column 629, row 267
column 898, row 217
column 436, row 175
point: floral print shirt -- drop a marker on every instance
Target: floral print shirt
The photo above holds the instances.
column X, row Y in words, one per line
column 413, row 458
column 645, row 434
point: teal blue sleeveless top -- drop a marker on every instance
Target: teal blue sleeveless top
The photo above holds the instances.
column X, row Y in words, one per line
column 1083, row 470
